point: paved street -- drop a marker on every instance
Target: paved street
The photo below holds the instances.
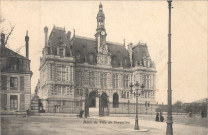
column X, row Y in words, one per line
column 63, row 124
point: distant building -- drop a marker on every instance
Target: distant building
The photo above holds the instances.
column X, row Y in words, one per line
column 72, row 66
column 15, row 78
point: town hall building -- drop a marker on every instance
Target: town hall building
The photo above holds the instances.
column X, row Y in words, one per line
column 73, row 67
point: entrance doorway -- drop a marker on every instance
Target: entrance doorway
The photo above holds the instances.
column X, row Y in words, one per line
column 103, row 105
column 115, row 100
column 92, row 99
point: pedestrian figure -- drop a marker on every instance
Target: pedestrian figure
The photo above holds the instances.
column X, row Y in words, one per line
column 202, row 113
column 157, row 117
column 161, row 118
column 190, row 114
column 28, row 112
column 81, row 114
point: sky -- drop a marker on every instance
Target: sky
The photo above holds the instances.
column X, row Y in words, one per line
column 134, row 21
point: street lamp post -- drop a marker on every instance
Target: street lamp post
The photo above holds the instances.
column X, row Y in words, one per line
column 169, row 129
column 136, row 127
column 81, row 94
column 86, row 104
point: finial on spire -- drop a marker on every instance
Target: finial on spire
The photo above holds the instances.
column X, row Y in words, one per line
column 124, row 42
column 27, row 33
column 101, row 6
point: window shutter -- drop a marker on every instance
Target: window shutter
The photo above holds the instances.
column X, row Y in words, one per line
column 4, row 101
column 22, row 83
column 4, row 82
column 22, row 102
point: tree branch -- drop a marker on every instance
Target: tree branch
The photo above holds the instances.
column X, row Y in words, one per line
column 7, row 38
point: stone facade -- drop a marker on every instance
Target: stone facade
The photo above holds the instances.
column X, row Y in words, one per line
column 72, row 66
column 15, row 79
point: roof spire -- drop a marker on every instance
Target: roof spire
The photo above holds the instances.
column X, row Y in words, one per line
column 100, row 6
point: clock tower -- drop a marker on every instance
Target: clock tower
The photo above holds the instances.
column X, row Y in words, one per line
column 103, row 56
column 100, row 31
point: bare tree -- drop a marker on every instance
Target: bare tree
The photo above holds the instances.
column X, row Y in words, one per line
column 7, row 30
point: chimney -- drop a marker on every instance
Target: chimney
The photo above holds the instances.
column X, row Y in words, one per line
column 46, row 35
column 2, row 39
column 27, row 45
column 124, row 43
column 68, row 35
column 130, row 52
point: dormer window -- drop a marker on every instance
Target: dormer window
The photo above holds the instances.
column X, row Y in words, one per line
column 14, row 65
column 60, row 40
column 61, row 52
column 78, row 56
column 114, row 61
column 125, row 62
column 91, row 58
column 148, row 63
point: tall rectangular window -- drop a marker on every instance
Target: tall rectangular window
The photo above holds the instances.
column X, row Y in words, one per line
column 126, row 81
column 58, row 71
column 63, row 74
column 115, row 80
column 71, row 73
column 54, row 90
column 68, row 90
column 103, row 80
column 92, row 79
column 148, row 81
column 59, row 90
column 13, row 83
column 64, row 92
column 97, row 79
column 68, row 73
column 13, row 102
column 79, row 78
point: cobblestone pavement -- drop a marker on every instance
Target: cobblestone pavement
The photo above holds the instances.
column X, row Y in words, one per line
column 65, row 125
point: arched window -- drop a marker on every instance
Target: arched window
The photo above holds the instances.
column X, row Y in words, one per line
column 115, row 100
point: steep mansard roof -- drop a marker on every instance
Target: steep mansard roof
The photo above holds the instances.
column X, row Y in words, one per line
column 139, row 52
column 85, row 46
column 57, row 37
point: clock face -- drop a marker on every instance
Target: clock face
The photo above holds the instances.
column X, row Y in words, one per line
column 103, row 33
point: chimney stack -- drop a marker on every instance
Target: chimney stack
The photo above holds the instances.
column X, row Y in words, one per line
column 2, row 39
column 130, row 45
column 46, row 35
column 124, row 43
column 27, row 45
column 68, row 35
